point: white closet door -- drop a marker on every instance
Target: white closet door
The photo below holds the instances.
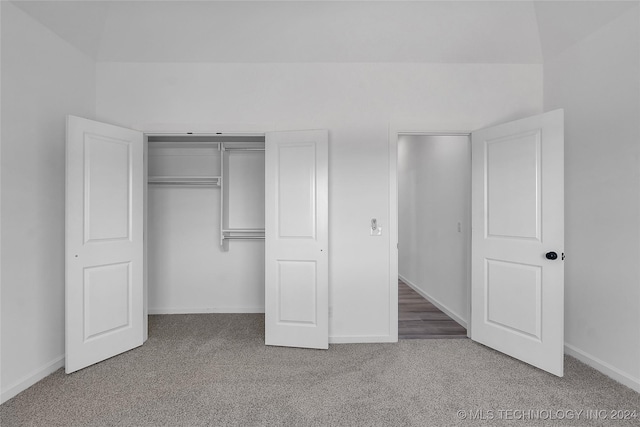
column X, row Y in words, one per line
column 296, row 233
column 517, row 291
column 104, row 251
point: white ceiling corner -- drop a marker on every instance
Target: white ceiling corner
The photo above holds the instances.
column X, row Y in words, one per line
column 563, row 23
column 80, row 23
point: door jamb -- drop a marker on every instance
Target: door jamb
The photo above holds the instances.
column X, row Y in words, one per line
column 395, row 131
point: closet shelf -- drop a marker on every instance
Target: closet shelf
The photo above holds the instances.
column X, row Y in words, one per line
column 227, row 148
column 256, row 237
column 242, row 234
column 185, row 180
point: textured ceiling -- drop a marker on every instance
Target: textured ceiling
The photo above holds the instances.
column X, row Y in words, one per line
column 323, row 31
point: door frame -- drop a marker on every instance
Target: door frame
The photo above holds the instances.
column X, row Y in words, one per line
column 395, row 131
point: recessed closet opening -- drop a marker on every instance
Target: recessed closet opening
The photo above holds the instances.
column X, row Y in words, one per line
column 434, row 195
column 205, row 224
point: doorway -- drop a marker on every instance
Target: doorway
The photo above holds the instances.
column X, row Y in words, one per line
column 205, row 204
column 433, row 172
column 515, row 288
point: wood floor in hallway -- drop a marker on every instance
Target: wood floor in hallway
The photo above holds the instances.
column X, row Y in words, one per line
column 419, row 319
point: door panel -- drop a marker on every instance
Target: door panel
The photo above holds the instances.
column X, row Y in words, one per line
column 296, row 214
column 297, row 282
column 104, row 252
column 513, row 172
column 296, row 193
column 107, row 299
column 517, row 294
column 513, row 297
column 108, row 179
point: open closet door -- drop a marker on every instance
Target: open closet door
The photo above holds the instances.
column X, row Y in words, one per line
column 296, row 237
column 104, row 252
column 517, row 289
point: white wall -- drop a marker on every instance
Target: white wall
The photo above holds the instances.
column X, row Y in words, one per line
column 433, row 219
column 356, row 102
column 596, row 81
column 43, row 80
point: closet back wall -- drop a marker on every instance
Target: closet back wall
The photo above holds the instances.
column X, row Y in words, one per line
column 357, row 102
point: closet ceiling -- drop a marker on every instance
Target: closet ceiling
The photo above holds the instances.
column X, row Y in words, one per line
column 323, row 31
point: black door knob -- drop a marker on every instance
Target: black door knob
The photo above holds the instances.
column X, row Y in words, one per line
column 551, row 255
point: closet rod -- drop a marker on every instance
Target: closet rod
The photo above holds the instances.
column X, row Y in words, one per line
column 243, row 149
column 242, row 237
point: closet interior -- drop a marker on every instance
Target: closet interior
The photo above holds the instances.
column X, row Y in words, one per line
column 205, row 223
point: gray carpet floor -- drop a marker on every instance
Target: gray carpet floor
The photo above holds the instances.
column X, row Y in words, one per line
column 214, row 370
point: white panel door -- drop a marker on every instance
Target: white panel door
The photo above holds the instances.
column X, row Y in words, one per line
column 517, row 289
column 296, row 237
column 104, row 251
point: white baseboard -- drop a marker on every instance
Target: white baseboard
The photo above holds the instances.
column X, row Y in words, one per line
column 206, row 310
column 32, row 378
column 360, row 339
column 604, row 367
column 446, row 310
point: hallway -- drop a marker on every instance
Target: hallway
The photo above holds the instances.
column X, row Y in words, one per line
column 419, row 319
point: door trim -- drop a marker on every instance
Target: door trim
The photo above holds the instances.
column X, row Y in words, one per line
column 395, row 131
